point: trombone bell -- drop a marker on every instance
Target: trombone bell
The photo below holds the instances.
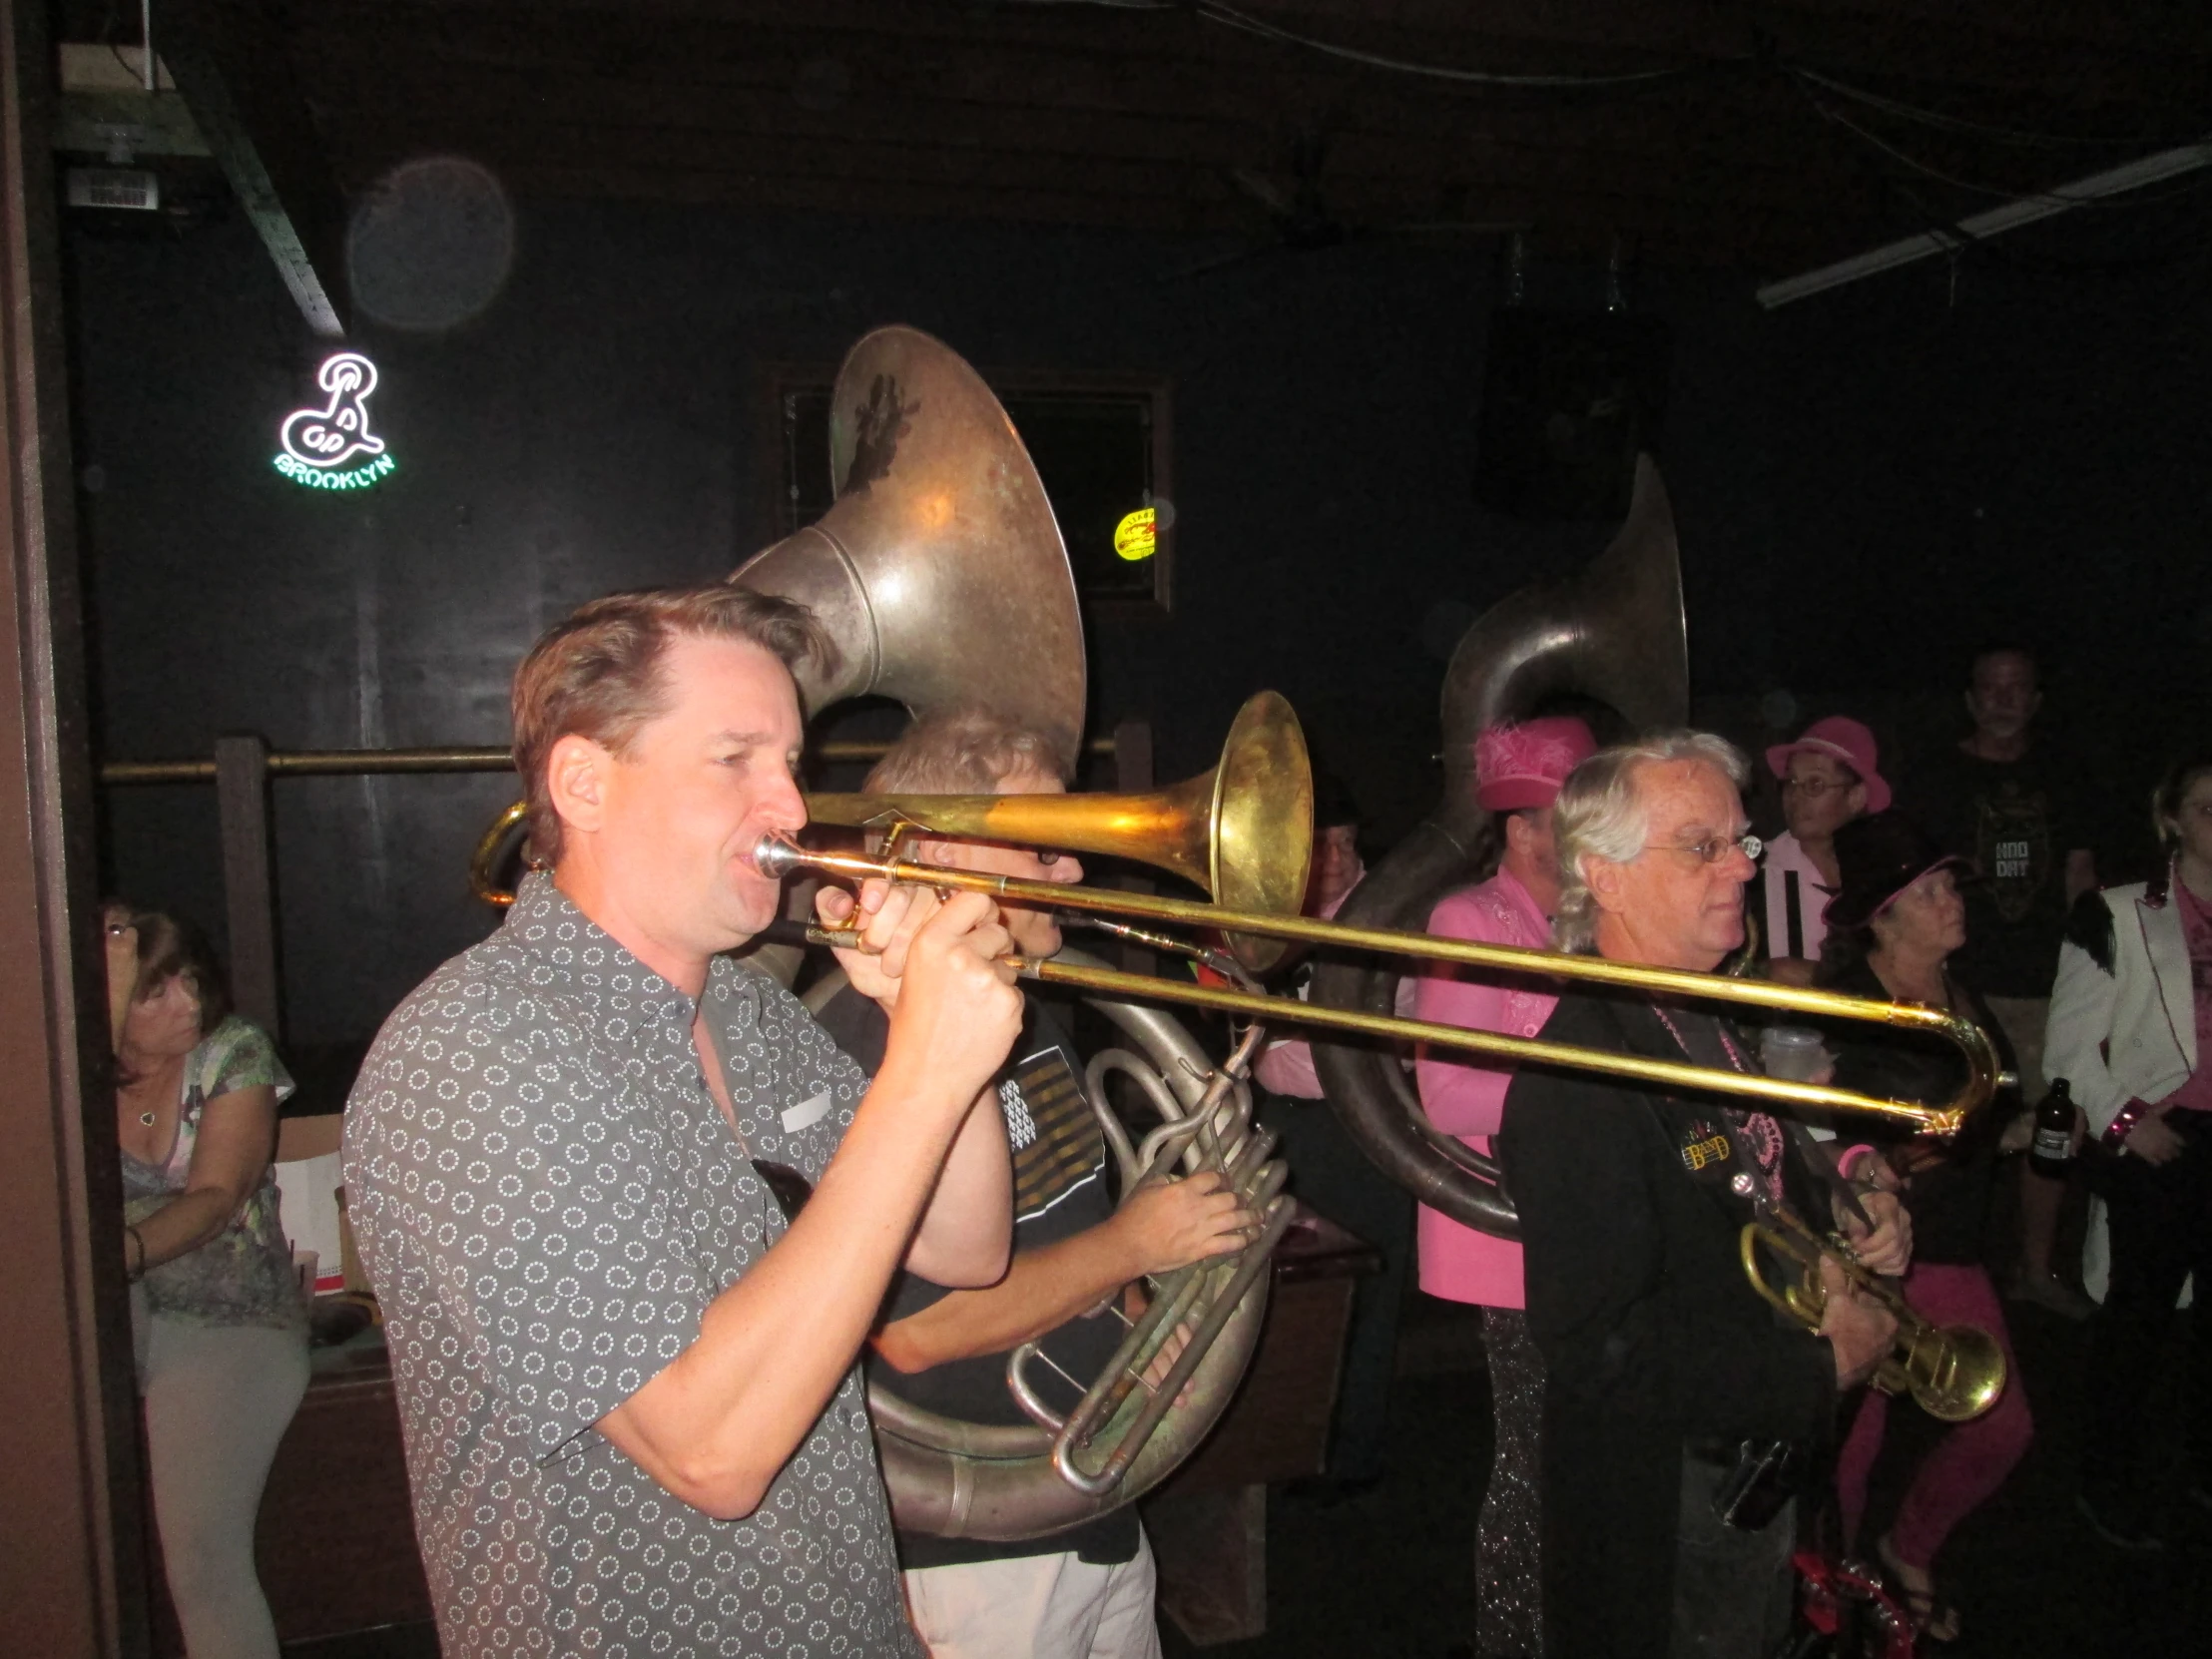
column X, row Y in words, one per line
column 1244, row 832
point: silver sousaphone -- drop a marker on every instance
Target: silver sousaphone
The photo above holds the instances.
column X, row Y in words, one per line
column 941, row 577
column 1615, row 634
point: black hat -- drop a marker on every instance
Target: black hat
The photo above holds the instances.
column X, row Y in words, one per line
column 1876, row 857
column 1333, row 803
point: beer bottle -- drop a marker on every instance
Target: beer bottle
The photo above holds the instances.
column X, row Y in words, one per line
column 2051, row 1151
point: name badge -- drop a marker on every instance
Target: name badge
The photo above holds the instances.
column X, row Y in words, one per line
column 807, row 1113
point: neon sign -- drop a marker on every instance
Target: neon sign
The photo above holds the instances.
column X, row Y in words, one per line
column 318, row 442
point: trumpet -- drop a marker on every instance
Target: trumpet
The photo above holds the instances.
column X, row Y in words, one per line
column 1953, row 1371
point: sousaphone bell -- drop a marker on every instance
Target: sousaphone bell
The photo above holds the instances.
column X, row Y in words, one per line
column 939, row 574
column 1616, row 634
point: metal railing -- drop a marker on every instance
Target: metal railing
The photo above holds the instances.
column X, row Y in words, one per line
column 241, row 766
column 349, row 763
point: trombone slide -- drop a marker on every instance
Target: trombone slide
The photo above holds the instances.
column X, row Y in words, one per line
column 778, row 858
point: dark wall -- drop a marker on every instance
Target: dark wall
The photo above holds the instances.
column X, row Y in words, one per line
column 1861, row 481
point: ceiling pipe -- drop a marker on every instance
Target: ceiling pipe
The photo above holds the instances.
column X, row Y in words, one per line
column 2165, row 165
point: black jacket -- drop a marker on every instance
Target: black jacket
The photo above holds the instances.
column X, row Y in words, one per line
column 1650, row 1335
column 1952, row 1181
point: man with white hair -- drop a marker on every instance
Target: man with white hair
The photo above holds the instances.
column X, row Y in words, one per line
column 1680, row 1411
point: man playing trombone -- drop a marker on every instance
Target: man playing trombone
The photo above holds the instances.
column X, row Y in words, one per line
column 1682, row 1416
column 1087, row 1593
column 626, row 1379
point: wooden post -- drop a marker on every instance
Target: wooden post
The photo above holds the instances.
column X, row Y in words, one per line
column 249, row 880
column 72, row 1576
column 1133, row 776
column 1133, row 756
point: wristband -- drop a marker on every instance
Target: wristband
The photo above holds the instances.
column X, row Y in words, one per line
column 2123, row 1122
column 1851, row 1156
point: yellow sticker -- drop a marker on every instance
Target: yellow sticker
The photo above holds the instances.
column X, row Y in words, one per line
column 1137, row 536
column 1705, row 1152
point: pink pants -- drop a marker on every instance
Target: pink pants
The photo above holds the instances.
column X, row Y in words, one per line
column 1971, row 1460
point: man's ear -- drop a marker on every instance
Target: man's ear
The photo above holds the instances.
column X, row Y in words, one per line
column 576, row 780
column 1606, row 881
column 951, row 854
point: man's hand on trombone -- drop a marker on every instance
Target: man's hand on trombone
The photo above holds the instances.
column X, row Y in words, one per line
column 889, row 917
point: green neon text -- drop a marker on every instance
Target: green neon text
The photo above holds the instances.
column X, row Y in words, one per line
column 316, row 477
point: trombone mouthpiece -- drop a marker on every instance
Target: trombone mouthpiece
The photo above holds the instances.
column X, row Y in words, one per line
column 774, row 856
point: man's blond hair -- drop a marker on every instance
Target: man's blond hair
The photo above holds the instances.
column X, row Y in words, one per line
column 599, row 671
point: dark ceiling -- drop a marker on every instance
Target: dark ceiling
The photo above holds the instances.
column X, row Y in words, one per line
column 1762, row 136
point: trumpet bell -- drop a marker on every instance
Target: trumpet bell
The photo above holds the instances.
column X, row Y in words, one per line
column 940, row 572
column 1244, row 832
column 1954, row 1373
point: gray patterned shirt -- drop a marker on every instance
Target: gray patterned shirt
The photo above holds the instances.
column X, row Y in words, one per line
column 546, row 1198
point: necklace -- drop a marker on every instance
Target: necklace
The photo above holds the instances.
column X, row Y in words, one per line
column 1760, row 1134
column 146, row 1118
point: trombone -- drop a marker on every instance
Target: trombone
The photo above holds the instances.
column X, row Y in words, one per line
column 774, row 857
column 1244, row 833
column 1953, row 1371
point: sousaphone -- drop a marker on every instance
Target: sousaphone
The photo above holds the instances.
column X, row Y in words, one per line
column 939, row 572
column 1614, row 633
column 942, row 579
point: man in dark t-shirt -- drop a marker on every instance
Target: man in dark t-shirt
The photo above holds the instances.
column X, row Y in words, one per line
column 1085, row 1593
column 2014, row 809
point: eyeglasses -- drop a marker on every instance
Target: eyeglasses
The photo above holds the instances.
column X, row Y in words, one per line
column 1814, row 788
column 1713, row 849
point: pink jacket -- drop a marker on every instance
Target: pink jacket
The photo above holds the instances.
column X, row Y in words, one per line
column 1285, row 1065
column 1459, row 1261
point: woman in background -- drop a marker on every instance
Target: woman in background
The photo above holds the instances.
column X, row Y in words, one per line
column 1892, row 926
column 220, row 1327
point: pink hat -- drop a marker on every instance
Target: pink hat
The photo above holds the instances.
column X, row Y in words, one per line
column 1843, row 739
column 1518, row 767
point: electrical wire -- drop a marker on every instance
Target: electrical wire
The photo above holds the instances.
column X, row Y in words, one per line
column 1996, row 192
column 1229, row 17
column 1961, row 124
column 1225, row 15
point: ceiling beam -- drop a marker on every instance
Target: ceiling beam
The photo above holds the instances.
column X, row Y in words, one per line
column 229, row 62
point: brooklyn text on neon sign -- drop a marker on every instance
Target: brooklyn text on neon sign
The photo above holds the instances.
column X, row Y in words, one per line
column 318, row 442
